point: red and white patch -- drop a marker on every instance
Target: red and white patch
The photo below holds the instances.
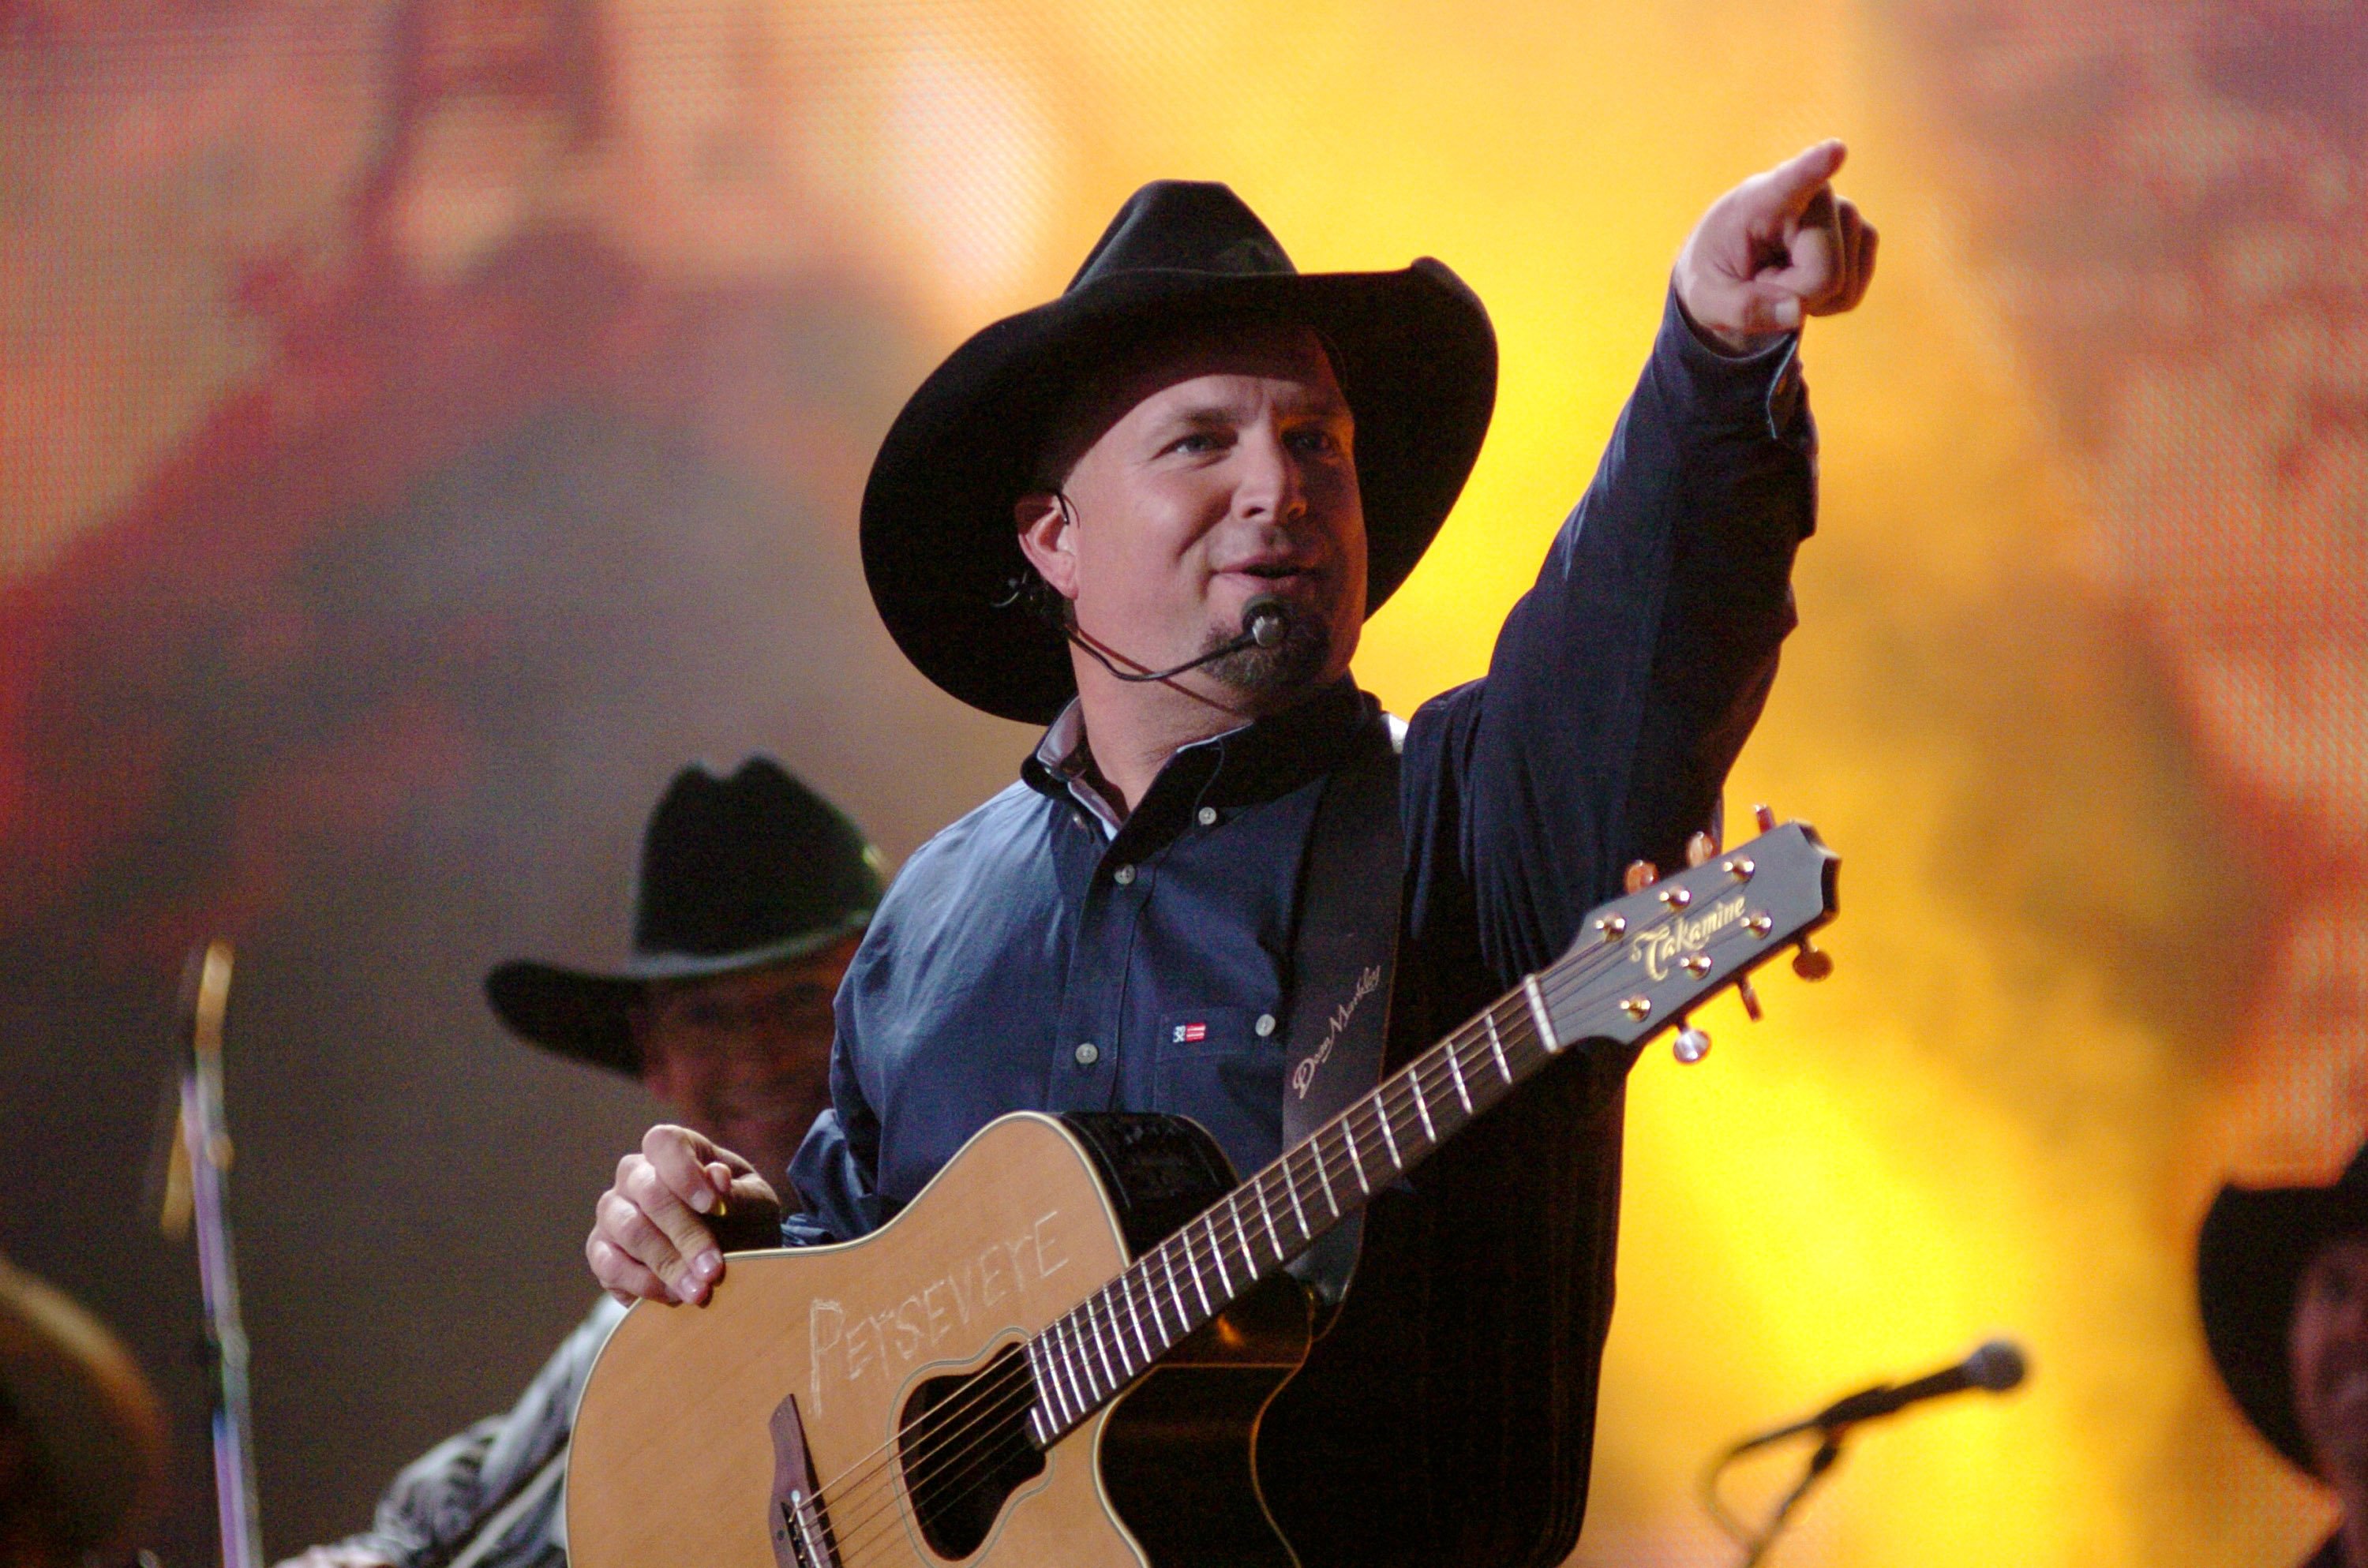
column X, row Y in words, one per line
column 1186, row 1033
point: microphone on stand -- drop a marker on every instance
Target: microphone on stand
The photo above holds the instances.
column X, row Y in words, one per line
column 1996, row 1367
column 1265, row 621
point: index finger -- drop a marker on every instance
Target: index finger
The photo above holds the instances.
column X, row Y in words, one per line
column 1795, row 180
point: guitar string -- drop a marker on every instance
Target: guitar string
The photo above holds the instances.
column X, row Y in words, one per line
column 1424, row 1079
column 1420, row 1082
column 927, row 1462
column 1435, row 1069
column 932, row 1475
column 954, row 1473
column 945, row 1475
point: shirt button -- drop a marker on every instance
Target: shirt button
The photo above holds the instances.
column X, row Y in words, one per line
column 1123, row 875
column 1208, row 816
column 1265, row 1024
column 1088, row 1054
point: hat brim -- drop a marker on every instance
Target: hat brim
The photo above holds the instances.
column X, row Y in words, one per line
column 89, row 1416
column 1416, row 360
column 589, row 1015
column 2249, row 1259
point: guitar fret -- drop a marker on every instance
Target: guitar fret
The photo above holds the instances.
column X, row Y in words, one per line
column 1127, row 1366
column 1316, row 1147
column 1267, row 1215
column 1498, row 1045
column 1089, row 1391
column 1176, row 1292
column 1455, row 1071
column 1234, row 1213
column 1193, row 1264
column 1218, row 1255
column 1135, row 1318
column 1538, row 1012
column 1381, row 1106
column 1048, row 1388
column 1356, row 1160
column 1151, row 1300
column 1414, row 1080
column 1101, row 1352
column 1077, row 1396
column 1291, row 1190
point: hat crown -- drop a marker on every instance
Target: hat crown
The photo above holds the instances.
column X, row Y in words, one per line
column 731, row 864
column 1175, row 225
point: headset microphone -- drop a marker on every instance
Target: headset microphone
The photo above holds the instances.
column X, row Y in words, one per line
column 1266, row 620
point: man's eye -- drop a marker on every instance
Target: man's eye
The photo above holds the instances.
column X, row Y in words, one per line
column 1198, row 441
column 1313, row 440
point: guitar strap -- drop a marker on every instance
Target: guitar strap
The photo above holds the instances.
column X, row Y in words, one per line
column 1343, row 958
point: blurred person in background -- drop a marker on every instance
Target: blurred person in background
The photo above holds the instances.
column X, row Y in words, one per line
column 81, row 1434
column 2283, row 1273
column 752, row 894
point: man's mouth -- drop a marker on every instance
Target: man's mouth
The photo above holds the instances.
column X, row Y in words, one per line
column 1277, row 574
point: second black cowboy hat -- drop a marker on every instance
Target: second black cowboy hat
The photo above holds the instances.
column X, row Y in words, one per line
column 1412, row 350
column 736, row 873
column 2249, row 1261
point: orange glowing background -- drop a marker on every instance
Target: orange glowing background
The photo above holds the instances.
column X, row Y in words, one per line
column 2077, row 694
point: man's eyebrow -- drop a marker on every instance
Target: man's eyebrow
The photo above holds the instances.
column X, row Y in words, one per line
column 1321, row 406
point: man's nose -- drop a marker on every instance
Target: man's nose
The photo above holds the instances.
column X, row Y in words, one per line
column 1272, row 487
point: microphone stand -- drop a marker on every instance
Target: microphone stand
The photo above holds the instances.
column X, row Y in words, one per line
column 201, row 1158
column 1756, row 1546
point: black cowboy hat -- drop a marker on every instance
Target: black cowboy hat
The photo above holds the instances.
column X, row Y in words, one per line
column 1412, row 350
column 736, row 873
column 2248, row 1264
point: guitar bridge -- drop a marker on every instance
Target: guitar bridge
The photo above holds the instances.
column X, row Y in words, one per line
column 801, row 1531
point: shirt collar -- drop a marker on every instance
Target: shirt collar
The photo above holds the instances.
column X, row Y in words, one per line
column 1251, row 762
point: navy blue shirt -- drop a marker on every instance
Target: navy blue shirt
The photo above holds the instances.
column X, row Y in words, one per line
column 1027, row 958
column 1030, row 957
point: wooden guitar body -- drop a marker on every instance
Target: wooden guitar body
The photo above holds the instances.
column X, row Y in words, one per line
column 836, row 1369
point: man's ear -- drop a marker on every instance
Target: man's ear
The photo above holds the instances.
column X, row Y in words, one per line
column 1047, row 530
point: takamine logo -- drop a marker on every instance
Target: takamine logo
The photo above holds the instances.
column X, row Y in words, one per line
column 1661, row 949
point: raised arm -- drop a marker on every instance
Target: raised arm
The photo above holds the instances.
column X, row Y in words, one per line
column 1623, row 682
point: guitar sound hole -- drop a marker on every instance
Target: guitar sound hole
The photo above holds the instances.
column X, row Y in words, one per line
column 965, row 1448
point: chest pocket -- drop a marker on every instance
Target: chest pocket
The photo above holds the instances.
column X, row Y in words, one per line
column 1211, row 1057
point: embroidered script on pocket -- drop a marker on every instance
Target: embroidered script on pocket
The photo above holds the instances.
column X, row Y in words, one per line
column 1304, row 1076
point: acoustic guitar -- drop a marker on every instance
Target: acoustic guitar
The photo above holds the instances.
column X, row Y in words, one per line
column 1058, row 1353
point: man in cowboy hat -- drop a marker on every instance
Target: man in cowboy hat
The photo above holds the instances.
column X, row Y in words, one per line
column 752, row 894
column 2283, row 1274
column 1153, row 515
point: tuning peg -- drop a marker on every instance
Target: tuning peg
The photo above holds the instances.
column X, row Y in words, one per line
column 1749, row 997
column 1691, row 1045
column 1642, row 874
column 1765, row 818
column 1811, row 962
column 1700, row 847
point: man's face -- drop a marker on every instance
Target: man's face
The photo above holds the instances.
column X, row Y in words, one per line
column 2328, row 1346
column 1224, row 469
column 745, row 1058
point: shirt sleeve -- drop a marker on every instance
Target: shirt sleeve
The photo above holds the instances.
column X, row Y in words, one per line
column 836, row 1170
column 445, row 1497
column 1624, row 682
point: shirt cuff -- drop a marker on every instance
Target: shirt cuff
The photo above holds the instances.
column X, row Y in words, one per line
column 1763, row 388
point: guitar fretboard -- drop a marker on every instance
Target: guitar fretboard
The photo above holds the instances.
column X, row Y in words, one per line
column 1115, row 1335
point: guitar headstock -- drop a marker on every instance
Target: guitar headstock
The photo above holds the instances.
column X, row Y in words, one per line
column 1641, row 960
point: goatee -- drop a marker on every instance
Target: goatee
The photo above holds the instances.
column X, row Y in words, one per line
column 1290, row 666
